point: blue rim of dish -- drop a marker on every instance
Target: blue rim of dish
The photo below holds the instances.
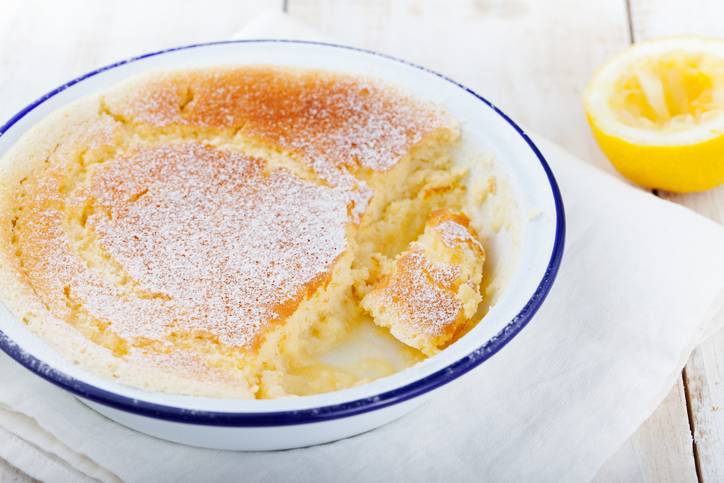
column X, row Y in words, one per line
column 323, row 413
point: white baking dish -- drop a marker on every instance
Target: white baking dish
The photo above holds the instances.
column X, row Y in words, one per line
column 302, row 421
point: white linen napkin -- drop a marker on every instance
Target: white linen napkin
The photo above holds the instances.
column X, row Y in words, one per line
column 639, row 286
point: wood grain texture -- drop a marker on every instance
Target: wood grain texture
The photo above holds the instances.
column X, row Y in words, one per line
column 705, row 370
column 532, row 59
column 659, row 18
column 81, row 35
column 647, row 455
column 10, row 474
column 705, row 384
column 704, row 373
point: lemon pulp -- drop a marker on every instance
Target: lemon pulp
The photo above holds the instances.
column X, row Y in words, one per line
column 670, row 92
column 657, row 112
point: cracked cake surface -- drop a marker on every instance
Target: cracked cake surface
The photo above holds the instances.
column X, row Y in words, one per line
column 214, row 231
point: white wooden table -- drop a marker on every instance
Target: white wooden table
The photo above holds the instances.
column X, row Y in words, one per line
column 531, row 57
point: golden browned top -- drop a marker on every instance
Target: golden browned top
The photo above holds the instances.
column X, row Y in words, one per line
column 151, row 221
column 183, row 238
column 342, row 127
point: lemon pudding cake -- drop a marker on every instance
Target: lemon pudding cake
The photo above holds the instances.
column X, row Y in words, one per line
column 433, row 288
column 218, row 231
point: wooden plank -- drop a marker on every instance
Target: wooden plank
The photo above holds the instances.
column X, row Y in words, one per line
column 704, row 373
column 10, row 474
column 533, row 60
column 659, row 18
column 43, row 44
column 705, row 384
column 646, row 456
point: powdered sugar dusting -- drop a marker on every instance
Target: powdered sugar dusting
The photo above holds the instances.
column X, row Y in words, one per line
column 169, row 248
column 453, row 233
column 336, row 124
column 422, row 292
column 230, row 248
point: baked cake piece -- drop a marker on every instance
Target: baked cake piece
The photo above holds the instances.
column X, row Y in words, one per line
column 432, row 289
column 205, row 231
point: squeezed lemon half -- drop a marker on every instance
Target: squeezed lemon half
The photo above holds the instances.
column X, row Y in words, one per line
column 657, row 112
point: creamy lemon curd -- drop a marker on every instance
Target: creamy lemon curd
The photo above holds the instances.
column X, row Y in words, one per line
column 249, row 232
